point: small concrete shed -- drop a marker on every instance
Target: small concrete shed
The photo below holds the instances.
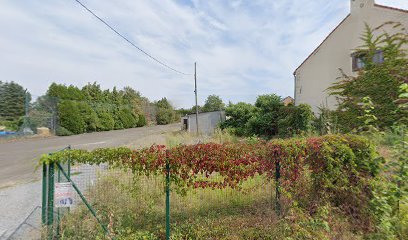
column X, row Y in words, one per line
column 207, row 122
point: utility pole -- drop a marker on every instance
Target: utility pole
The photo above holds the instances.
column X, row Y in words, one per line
column 195, row 91
column 26, row 127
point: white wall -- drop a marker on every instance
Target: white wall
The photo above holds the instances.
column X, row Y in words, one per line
column 321, row 70
column 207, row 122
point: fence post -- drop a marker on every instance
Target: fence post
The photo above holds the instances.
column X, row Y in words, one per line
column 167, row 199
column 44, row 195
column 58, row 210
column 50, row 209
column 277, row 193
column 69, row 168
column 69, row 162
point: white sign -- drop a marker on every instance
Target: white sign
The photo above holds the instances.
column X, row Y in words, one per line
column 63, row 195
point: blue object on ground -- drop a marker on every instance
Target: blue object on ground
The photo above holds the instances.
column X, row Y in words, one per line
column 3, row 133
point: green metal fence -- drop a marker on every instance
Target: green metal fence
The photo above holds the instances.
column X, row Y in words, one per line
column 112, row 202
column 50, row 216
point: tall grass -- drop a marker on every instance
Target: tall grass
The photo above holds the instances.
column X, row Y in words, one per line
column 134, row 206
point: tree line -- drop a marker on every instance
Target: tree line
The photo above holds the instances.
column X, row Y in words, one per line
column 93, row 109
column 212, row 103
column 71, row 110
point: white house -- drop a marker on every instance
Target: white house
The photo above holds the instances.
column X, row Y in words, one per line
column 337, row 51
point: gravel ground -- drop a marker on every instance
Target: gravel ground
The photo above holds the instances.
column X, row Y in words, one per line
column 20, row 205
column 14, row 208
column 23, row 217
column 18, row 159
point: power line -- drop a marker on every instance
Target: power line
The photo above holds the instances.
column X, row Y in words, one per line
column 130, row 42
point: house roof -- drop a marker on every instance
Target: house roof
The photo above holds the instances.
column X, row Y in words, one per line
column 314, row 51
column 287, row 98
column 391, row 8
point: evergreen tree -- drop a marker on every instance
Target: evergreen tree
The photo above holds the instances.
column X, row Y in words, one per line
column 13, row 100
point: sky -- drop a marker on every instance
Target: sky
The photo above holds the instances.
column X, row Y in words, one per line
column 242, row 48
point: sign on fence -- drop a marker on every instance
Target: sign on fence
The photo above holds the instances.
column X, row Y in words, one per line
column 64, row 196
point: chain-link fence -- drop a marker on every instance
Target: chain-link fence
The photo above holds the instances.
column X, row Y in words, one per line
column 38, row 118
column 112, row 202
column 53, row 116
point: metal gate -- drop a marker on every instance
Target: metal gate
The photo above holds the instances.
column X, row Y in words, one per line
column 54, row 175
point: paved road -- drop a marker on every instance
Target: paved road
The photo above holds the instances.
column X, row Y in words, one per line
column 18, row 159
column 20, row 192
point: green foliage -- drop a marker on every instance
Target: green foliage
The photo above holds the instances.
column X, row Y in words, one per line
column 141, row 121
column 10, row 125
column 322, row 179
column 213, row 103
column 106, row 121
column 183, row 112
column 403, row 102
column 89, row 116
column 164, row 116
column 61, row 91
column 165, row 112
column 237, row 117
column 268, row 103
column 100, row 110
column 60, row 131
column 12, row 101
column 296, row 120
column 127, row 118
column 390, row 196
column 379, row 82
column 336, row 161
column 71, row 118
column 164, row 103
column 299, row 224
column 268, row 118
column 193, row 109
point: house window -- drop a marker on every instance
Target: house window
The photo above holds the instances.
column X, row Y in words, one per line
column 359, row 59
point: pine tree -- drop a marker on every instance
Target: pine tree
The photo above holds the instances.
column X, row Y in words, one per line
column 12, row 100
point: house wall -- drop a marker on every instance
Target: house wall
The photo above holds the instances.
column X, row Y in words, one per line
column 321, row 69
column 207, row 122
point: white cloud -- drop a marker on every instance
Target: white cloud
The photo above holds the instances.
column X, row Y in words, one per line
column 243, row 48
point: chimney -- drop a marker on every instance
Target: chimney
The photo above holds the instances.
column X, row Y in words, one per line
column 356, row 6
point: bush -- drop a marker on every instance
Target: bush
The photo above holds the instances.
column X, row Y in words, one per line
column 295, row 120
column 89, row 115
column 379, row 82
column 60, row 131
column 237, row 117
column 268, row 118
column 127, row 118
column 164, row 116
column 106, row 121
column 165, row 113
column 320, row 178
column 142, row 121
column 100, row 110
column 70, row 117
column 10, row 125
